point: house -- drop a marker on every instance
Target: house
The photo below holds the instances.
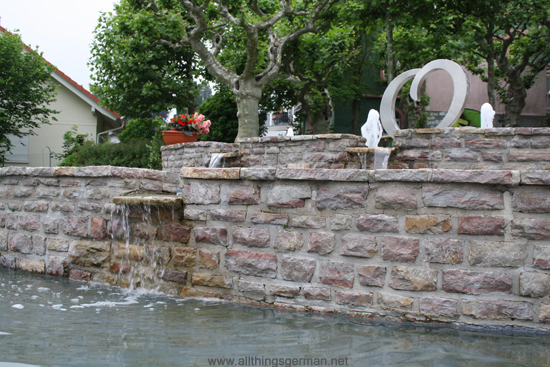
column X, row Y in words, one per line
column 78, row 107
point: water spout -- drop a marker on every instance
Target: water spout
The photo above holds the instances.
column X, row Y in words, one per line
column 372, row 129
column 381, row 157
column 487, row 116
column 215, row 160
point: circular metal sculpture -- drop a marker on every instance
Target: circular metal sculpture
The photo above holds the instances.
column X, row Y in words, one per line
column 461, row 91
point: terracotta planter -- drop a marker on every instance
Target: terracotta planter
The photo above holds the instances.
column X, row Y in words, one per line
column 175, row 137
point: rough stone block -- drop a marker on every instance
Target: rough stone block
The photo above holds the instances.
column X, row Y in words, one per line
column 342, row 198
column 534, row 285
column 20, row 242
column 354, row 299
column 251, row 237
column 208, row 259
column 497, row 309
column 419, row 155
column 98, row 228
column 62, row 207
column 481, row 225
column 535, row 177
column 3, row 240
column 472, row 176
column 533, row 229
column 444, row 250
column 38, row 245
column 75, row 226
column 243, row 195
column 157, row 255
column 79, row 275
column 402, row 175
column 29, row 223
column 340, row 222
column 359, row 245
column 177, row 232
column 544, row 314
column 227, row 215
column 435, row 224
column 31, row 266
column 8, row 261
column 297, row 269
column 36, row 206
column 446, row 143
column 50, row 225
column 462, row 155
column 438, row 306
column 526, row 156
column 57, row 266
column 288, row 241
column 201, row 193
column 209, row 280
column 309, row 222
column 532, row 200
column 371, row 275
column 287, row 196
column 541, row 257
column 88, row 253
column 321, row 242
column 118, row 267
column 504, row 254
column 287, row 291
column 476, row 282
column 173, row 276
column 395, row 199
column 185, row 257
column 251, row 263
column 492, row 156
column 316, row 293
column 394, row 301
column 377, row 223
column 15, row 206
column 413, row 279
column 400, row 249
column 471, row 199
column 216, row 236
column 337, row 273
column 266, row 218
column 194, row 214
column 128, row 251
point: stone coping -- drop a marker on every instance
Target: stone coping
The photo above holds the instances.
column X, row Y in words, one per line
column 364, row 150
column 88, row 171
column 151, row 199
column 492, row 177
column 499, row 131
column 267, row 139
column 200, row 144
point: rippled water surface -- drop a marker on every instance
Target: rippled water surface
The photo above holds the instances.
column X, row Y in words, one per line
column 55, row 322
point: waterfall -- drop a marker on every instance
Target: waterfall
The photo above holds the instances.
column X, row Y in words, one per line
column 381, row 157
column 215, row 160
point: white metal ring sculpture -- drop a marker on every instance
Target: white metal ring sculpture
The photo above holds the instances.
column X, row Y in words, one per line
column 461, row 92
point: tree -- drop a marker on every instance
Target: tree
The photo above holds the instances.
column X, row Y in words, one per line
column 25, row 91
column 215, row 27
column 135, row 75
column 508, row 44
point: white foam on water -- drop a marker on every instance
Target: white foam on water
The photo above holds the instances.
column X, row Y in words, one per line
column 43, row 289
column 149, row 305
column 75, row 300
column 75, row 306
column 83, row 288
column 197, row 309
column 3, row 333
column 11, row 364
column 34, row 297
column 18, row 306
column 57, row 307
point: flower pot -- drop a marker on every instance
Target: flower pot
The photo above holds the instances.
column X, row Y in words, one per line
column 175, row 137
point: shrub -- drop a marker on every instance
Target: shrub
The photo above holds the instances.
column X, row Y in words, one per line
column 129, row 154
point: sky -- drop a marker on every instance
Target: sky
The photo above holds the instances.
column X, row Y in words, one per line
column 62, row 30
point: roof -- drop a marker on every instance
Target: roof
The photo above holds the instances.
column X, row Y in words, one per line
column 72, row 85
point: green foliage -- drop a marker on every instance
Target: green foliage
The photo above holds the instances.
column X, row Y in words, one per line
column 141, row 128
column 25, row 91
column 71, row 141
column 154, row 160
column 130, row 154
column 221, row 110
column 133, row 72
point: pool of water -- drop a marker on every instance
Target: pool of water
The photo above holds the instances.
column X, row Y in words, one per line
column 51, row 321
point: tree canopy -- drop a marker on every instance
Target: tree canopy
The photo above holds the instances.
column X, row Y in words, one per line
column 25, row 91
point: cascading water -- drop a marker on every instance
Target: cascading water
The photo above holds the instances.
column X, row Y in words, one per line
column 381, row 157
column 215, row 160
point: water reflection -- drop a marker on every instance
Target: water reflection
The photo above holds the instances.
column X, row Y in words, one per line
column 65, row 323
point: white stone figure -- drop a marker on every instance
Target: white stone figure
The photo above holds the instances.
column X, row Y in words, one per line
column 372, row 129
column 487, row 116
column 290, row 131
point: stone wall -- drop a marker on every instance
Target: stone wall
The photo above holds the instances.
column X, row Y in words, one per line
column 314, row 151
column 453, row 246
column 523, row 148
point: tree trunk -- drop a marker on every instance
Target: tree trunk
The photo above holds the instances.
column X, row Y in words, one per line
column 390, row 72
column 356, row 110
column 491, row 65
column 247, row 97
column 516, row 103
